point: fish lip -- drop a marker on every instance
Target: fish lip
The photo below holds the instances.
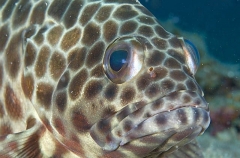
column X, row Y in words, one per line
column 200, row 105
column 115, row 131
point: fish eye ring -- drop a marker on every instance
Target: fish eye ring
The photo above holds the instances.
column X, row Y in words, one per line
column 123, row 59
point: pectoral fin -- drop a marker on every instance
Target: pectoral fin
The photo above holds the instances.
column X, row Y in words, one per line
column 23, row 144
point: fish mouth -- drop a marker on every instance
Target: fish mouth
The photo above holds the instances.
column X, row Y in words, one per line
column 173, row 113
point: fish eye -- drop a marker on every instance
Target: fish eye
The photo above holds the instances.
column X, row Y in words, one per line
column 123, row 59
column 192, row 55
column 117, row 59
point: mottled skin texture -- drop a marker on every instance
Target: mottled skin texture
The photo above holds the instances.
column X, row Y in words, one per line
column 55, row 90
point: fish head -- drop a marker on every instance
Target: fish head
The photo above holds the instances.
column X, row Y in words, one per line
column 156, row 97
column 118, row 83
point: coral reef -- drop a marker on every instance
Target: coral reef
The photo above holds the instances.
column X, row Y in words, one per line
column 223, row 118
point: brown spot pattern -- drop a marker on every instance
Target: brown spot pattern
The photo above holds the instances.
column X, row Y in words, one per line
column 176, row 55
column 145, row 31
column 76, row 58
column 161, row 32
column 161, row 119
column 38, row 13
column 72, row 13
column 167, row 85
column 21, row 14
column 61, row 101
column 95, row 54
column 30, row 55
column 143, row 81
column 7, row 11
column 70, row 39
column 127, row 95
column 58, row 8
column 153, row 90
column 90, row 10
column 191, row 85
column 12, row 104
column 1, row 110
column 91, row 33
column 104, row 126
column 127, row 126
column 160, row 43
column 41, row 65
column 103, row 13
column 172, row 63
column 39, row 36
column 80, row 121
column 98, row 71
column 4, row 34
column 27, row 85
column 64, row 80
column 146, row 20
column 155, row 58
column 5, row 129
column 57, row 65
column 128, row 27
column 12, row 56
column 44, row 94
column 180, row 87
column 178, row 75
column 58, row 124
column 160, row 73
column 77, row 83
column 111, row 92
column 54, row 35
column 92, row 89
column 157, row 104
column 125, row 12
column 110, row 29
column 174, row 42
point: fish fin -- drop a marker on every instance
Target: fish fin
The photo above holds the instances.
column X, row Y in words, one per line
column 190, row 150
column 23, row 144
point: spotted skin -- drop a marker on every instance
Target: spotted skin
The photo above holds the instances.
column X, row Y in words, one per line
column 58, row 100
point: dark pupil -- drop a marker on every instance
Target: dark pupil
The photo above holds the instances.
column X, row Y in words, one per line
column 118, row 59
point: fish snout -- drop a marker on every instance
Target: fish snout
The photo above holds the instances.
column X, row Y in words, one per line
column 176, row 118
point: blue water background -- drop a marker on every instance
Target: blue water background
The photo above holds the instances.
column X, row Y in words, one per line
column 219, row 20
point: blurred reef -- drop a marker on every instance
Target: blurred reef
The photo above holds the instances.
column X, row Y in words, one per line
column 221, row 86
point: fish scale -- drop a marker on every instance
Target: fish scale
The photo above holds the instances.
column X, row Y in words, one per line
column 60, row 95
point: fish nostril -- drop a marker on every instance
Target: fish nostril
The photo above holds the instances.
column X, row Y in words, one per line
column 151, row 72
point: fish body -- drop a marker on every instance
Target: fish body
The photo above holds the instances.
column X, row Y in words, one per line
column 89, row 78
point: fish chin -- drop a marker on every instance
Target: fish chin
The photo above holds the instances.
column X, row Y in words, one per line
column 183, row 114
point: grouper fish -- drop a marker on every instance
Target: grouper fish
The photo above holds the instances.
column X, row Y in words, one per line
column 96, row 79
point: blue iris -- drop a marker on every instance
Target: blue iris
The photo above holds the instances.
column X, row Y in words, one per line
column 118, row 59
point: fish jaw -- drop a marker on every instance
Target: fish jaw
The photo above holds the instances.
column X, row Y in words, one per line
column 177, row 112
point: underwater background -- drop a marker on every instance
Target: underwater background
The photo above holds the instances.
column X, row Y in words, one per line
column 214, row 27
column 219, row 20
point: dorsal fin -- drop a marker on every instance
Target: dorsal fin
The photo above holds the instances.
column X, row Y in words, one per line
column 23, row 144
